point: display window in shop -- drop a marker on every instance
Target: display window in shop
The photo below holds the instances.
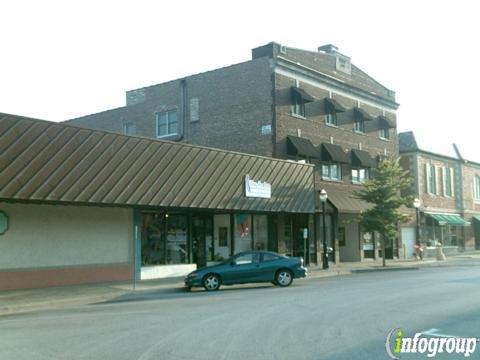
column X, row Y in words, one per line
column 164, row 239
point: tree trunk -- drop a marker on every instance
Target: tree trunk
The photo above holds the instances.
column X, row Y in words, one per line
column 384, row 264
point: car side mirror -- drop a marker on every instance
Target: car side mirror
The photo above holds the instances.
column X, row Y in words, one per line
column 232, row 263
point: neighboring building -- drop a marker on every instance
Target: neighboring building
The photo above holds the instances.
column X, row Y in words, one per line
column 315, row 107
column 79, row 205
column 448, row 188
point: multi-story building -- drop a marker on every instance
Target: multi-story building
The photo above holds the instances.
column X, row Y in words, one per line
column 310, row 106
column 448, row 188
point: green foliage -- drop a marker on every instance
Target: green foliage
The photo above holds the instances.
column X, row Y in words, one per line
column 384, row 192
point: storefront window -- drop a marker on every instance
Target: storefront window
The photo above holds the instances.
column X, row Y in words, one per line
column 164, row 239
column 260, row 232
column 153, row 245
column 177, row 252
column 243, row 232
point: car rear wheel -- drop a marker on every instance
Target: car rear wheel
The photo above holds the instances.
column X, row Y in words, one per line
column 283, row 277
column 211, row 282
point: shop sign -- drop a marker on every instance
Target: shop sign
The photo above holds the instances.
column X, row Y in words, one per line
column 258, row 189
column 3, row 223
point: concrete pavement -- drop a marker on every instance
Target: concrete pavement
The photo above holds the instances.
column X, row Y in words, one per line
column 13, row 302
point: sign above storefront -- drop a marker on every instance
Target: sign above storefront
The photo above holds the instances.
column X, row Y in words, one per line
column 258, row 189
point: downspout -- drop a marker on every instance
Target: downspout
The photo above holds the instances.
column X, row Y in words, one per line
column 458, row 187
column 274, row 110
column 184, row 133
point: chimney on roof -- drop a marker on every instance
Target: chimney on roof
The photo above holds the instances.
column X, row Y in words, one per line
column 328, row 49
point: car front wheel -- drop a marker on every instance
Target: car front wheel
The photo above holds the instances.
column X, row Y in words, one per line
column 284, row 277
column 211, row 282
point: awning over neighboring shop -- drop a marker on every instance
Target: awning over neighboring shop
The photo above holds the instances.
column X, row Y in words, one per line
column 303, row 94
column 385, row 121
column 362, row 113
column 332, row 104
column 362, row 159
column 448, row 219
column 301, row 146
column 333, row 153
column 346, row 202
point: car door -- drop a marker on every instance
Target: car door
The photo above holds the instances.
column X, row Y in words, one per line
column 269, row 265
column 242, row 269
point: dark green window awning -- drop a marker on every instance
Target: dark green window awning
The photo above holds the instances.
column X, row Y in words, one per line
column 476, row 218
column 333, row 153
column 385, row 121
column 300, row 146
column 306, row 97
column 449, row 219
column 362, row 113
column 333, row 105
column 362, row 158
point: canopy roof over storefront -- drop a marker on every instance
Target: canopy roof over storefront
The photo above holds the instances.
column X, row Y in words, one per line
column 51, row 162
column 345, row 201
column 448, row 219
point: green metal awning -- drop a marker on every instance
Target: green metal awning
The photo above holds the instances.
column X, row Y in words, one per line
column 449, row 219
column 476, row 218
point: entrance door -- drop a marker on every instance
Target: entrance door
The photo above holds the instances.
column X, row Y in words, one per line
column 300, row 242
column 202, row 239
column 408, row 239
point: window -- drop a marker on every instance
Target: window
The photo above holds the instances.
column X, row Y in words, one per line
column 129, row 128
column 249, row 258
column 331, row 172
column 476, row 187
column 298, row 107
column 167, row 123
column 331, row 118
column 431, row 177
column 385, row 133
column 448, row 180
column 359, row 176
column 194, row 110
column 270, row 257
column 359, row 126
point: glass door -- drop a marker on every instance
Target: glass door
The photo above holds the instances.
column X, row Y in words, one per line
column 202, row 239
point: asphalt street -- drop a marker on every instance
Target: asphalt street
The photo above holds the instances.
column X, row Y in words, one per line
column 344, row 317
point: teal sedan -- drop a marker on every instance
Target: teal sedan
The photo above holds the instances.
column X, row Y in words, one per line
column 248, row 267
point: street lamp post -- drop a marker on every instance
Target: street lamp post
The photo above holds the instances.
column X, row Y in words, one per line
column 416, row 205
column 323, row 199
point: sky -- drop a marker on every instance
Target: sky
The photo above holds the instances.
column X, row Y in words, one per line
column 64, row 59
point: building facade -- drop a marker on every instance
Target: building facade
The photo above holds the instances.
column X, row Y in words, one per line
column 307, row 106
column 448, row 190
column 80, row 205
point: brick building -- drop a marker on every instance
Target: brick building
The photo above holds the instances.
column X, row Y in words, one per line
column 448, row 188
column 310, row 106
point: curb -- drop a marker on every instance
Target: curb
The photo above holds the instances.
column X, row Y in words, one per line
column 403, row 268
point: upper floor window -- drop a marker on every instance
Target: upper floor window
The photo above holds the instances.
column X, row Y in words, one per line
column 448, row 181
column 476, row 187
column 167, row 123
column 298, row 107
column 331, row 118
column 331, row 172
column 359, row 126
column 385, row 132
column 431, row 178
column 332, row 108
column 299, row 98
column 129, row 128
column 360, row 176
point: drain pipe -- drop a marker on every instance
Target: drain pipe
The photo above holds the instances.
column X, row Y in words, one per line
column 183, row 94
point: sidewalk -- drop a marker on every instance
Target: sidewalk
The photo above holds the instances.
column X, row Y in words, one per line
column 19, row 301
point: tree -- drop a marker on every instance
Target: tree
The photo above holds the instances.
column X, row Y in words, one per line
column 384, row 191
